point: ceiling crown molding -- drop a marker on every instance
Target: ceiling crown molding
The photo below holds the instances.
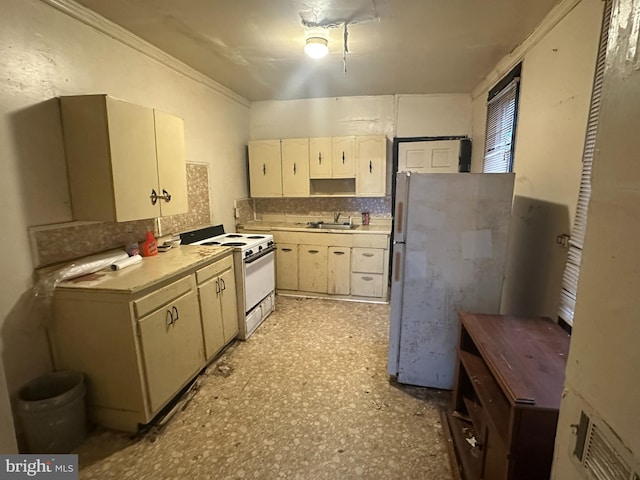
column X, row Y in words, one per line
column 509, row 61
column 101, row 24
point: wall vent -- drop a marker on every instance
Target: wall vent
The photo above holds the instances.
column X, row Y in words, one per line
column 601, row 453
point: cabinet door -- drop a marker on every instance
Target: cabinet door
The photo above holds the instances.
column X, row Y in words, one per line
column 172, row 348
column 265, row 176
column 343, row 157
column 287, row 266
column 371, row 153
column 172, row 169
column 229, row 305
column 320, row 157
column 211, row 316
column 295, row 167
column 312, row 263
column 339, row 270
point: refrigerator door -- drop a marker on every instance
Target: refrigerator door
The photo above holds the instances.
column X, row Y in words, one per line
column 456, row 232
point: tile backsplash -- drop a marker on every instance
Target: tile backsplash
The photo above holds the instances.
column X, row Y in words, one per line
column 254, row 209
column 67, row 241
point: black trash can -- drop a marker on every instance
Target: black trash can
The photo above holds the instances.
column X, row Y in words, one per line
column 52, row 411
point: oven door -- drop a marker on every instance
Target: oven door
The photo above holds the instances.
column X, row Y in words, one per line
column 259, row 279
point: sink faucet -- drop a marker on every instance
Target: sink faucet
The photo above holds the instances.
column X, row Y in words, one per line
column 336, row 217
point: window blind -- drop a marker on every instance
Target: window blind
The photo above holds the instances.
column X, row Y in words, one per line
column 501, row 118
column 574, row 258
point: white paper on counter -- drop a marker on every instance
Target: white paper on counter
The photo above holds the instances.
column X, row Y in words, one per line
column 126, row 262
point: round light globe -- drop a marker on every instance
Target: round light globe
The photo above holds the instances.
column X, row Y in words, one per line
column 316, row 47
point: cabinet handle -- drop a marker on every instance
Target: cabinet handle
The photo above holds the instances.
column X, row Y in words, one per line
column 319, row 158
column 370, row 167
column 338, row 253
column 217, row 287
column 367, row 254
column 343, row 158
column 170, row 319
column 224, row 285
column 286, row 249
column 264, row 168
column 367, row 279
column 396, row 264
column 313, row 251
column 166, row 196
column 175, row 310
column 294, row 168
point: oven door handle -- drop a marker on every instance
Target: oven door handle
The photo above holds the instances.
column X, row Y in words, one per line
column 259, row 255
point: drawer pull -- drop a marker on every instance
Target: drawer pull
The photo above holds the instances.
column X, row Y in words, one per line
column 286, row 249
column 367, row 279
column 338, row 253
column 313, row 251
column 367, row 254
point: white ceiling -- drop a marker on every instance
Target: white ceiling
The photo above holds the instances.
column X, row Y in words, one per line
column 255, row 47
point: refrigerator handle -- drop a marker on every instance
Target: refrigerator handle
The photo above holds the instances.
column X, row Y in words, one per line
column 399, row 218
column 396, row 268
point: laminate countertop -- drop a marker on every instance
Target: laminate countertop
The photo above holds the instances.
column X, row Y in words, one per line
column 152, row 271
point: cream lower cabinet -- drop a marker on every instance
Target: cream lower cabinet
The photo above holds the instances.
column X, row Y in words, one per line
column 312, row 268
column 136, row 350
column 171, row 347
column 287, row 266
column 218, row 305
column 367, row 267
column 339, row 271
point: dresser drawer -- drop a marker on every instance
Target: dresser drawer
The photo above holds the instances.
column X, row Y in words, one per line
column 369, row 260
column 163, row 296
column 366, row 284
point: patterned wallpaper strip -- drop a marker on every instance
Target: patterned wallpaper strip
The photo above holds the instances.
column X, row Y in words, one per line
column 68, row 241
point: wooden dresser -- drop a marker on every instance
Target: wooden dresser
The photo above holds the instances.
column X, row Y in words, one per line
column 509, row 380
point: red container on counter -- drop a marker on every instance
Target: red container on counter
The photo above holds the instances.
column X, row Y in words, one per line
column 149, row 246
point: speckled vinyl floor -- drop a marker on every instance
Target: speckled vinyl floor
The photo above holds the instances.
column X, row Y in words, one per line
column 306, row 397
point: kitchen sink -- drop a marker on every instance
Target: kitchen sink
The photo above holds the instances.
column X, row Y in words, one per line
column 332, row 226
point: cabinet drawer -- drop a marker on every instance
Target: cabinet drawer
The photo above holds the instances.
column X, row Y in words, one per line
column 366, row 284
column 371, row 241
column 214, row 269
column 164, row 295
column 370, row 260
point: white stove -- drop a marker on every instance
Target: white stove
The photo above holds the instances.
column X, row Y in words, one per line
column 254, row 265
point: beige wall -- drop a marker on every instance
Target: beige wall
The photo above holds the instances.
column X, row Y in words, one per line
column 602, row 371
column 45, row 53
column 557, row 77
column 399, row 115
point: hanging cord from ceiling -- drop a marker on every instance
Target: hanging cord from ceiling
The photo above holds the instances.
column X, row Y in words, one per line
column 346, row 47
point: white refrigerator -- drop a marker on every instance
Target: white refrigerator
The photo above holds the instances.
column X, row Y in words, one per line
column 449, row 250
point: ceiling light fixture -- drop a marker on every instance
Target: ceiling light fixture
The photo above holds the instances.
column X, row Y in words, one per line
column 316, row 47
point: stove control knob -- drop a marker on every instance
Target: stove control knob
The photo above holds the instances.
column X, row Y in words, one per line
column 248, row 252
column 260, row 248
column 269, row 243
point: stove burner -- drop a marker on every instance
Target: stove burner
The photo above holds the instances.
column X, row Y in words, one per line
column 234, row 244
column 233, row 235
column 255, row 237
column 210, row 243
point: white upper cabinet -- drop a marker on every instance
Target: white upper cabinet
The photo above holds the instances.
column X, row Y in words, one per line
column 343, row 157
column 265, row 165
column 320, row 157
column 125, row 161
column 371, row 152
column 295, row 167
